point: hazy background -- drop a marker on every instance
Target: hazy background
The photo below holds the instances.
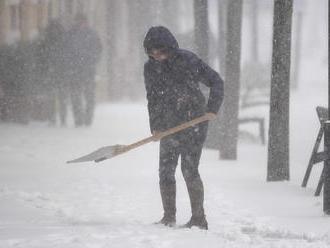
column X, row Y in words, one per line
column 121, row 26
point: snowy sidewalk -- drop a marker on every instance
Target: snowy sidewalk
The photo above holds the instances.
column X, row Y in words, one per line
column 47, row 203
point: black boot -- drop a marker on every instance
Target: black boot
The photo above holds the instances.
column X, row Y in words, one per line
column 168, row 194
column 196, row 195
column 199, row 222
column 169, row 221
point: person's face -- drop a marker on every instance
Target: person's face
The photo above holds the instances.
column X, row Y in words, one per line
column 158, row 54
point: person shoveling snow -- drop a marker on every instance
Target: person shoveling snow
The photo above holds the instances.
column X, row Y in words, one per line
column 178, row 116
column 172, row 77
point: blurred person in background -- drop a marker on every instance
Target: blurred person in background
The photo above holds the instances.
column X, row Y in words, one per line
column 82, row 52
column 55, row 70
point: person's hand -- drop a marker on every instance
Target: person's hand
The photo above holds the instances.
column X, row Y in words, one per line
column 210, row 116
column 156, row 135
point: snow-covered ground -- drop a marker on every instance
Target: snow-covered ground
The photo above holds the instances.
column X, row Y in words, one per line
column 48, row 203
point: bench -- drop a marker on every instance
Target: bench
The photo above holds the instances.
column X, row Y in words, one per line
column 254, row 98
column 317, row 157
column 261, row 123
column 254, row 93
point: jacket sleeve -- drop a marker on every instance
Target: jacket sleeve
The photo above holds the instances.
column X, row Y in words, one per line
column 154, row 104
column 211, row 79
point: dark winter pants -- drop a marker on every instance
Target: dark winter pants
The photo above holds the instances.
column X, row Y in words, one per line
column 63, row 103
column 83, row 102
column 187, row 144
column 61, row 94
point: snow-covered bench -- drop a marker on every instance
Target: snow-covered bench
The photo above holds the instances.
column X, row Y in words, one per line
column 254, row 93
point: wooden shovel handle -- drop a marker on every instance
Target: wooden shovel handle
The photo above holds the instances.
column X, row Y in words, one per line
column 162, row 134
column 184, row 126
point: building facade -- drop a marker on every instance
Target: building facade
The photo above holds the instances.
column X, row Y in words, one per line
column 25, row 19
column 24, row 22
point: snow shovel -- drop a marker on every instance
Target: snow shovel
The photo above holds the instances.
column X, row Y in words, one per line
column 108, row 152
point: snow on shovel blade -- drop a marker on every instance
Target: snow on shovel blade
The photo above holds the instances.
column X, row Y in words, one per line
column 99, row 155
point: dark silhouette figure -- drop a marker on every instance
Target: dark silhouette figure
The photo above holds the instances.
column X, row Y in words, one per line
column 54, row 68
column 83, row 50
column 172, row 77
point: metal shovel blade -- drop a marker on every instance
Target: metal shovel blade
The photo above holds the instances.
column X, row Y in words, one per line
column 100, row 154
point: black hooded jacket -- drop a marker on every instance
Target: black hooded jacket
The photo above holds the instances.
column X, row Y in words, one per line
column 172, row 85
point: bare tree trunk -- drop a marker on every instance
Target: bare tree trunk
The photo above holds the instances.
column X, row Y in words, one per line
column 201, row 29
column 140, row 19
column 326, row 189
column 214, row 133
column 222, row 17
column 169, row 15
column 297, row 52
column 228, row 141
column 254, row 26
column 278, row 146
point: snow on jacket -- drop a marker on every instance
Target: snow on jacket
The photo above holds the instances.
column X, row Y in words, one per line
column 173, row 91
